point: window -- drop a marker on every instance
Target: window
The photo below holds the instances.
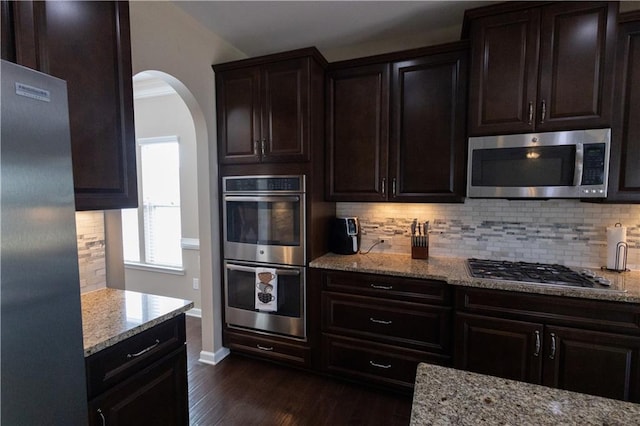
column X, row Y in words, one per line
column 151, row 233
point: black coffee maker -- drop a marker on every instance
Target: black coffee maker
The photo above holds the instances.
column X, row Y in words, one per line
column 345, row 235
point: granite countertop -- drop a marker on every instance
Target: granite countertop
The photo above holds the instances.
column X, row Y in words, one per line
column 625, row 286
column 445, row 396
column 110, row 315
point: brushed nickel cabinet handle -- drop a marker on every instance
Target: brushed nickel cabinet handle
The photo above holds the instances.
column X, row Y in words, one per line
column 544, row 111
column 530, row 113
column 384, row 186
column 264, row 348
column 393, row 187
column 377, row 321
column 553, row 346
column 385, row 366
column 102, row 419
column 537, row 352
column 256, row 148
column 144, row 351
column 381, row 287
column 263, row 151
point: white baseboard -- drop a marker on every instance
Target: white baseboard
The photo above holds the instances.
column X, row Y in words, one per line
column 194, row 312
column 211, row 358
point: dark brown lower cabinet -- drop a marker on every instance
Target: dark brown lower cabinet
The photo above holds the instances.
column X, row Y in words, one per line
column 499, row 347
column 141, row 380
column 592, row 362
column 153, row 396
column 551, row 341
column 377, row 328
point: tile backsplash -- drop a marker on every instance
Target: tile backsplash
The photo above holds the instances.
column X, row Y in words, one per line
column 555, row 231
column 91, row 250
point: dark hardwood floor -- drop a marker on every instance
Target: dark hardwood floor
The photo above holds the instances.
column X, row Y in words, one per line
column 245, row 391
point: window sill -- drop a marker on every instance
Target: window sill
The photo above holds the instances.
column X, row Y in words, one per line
column 154, row 268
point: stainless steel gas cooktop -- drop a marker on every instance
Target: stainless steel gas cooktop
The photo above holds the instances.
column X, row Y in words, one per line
column 538, row 273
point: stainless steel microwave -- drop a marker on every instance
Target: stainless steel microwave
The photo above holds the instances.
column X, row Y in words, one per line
column 569, row 164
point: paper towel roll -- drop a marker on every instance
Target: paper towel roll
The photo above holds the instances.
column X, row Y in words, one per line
column 615, row 235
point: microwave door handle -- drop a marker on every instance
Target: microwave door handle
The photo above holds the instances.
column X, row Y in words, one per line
column 577, row 175
column 261, row 198
column 251, row 269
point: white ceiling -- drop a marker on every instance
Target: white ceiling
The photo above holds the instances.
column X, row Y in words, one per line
column 263, row 27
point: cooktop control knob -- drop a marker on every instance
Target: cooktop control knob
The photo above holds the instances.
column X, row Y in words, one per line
column 596, row 278
column 587, row 273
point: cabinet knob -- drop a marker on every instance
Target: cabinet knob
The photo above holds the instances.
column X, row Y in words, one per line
column 381, row 287
column 537, row 352
column 374, row 364
column 265, row 348
column 263, row 150
column 552, row 355
column 377, row 321
column 144, row 351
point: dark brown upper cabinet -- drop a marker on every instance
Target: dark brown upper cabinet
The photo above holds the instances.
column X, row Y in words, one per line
column 396, row 126
column 263, row 105
column 624, row 175
column 87, row 44
column 357, row 132
column 541, row 68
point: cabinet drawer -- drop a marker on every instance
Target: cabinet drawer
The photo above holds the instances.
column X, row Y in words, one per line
column 430, row 291
column 593, row 314
column 116, row 363
column 157, row 396
column 377, row 363
column 269, row 348
column 423, row 327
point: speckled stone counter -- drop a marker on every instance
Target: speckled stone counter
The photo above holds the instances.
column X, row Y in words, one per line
column 625, row 286
column 110, row 315
column 445, row 396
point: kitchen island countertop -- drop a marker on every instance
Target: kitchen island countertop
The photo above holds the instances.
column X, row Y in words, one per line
column 445, row 396
column 110, row 315
column 625, row 286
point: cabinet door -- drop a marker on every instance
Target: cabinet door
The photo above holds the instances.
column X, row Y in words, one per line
column 428, row 144
column 504, row 60
column 285, row 111
column 87, row 44
column 357, row 133
column 238, row 104
column 595, row 363
column 577, row 42
column 499, row 347
column 624, row 173
column 155, row 396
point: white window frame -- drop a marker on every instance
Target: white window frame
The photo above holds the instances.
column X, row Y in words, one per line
column 142, row 265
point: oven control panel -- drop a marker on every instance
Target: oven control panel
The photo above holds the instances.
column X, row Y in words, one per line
column 263, row 184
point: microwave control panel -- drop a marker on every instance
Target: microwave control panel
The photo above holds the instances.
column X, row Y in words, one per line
column 593, row 164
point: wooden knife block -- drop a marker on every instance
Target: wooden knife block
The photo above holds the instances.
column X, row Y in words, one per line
column 419, row 252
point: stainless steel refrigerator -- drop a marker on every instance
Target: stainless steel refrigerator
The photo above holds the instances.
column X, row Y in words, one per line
column 41, row 351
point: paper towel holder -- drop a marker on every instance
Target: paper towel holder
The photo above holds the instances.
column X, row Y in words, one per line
column 622, row 249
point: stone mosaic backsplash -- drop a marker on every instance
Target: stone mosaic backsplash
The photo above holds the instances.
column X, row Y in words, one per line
column 555, row 231
column 91, row 250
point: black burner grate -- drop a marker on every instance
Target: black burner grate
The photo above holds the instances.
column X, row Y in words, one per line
column 527, row 272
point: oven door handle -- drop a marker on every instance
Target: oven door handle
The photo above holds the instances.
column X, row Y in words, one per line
column 252, row 269
column 265, row 199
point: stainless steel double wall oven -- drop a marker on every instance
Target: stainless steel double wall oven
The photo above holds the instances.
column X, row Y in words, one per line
column 264, row 221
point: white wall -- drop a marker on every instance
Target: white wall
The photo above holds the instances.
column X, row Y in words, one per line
column 168, row 115
column 163, row 38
